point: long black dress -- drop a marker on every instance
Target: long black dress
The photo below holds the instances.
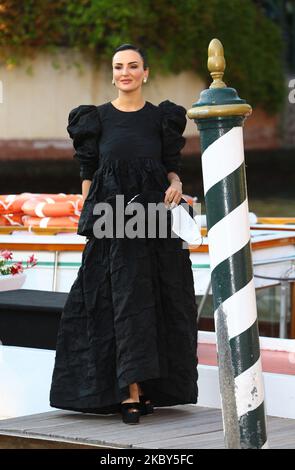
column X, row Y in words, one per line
column 131, row 314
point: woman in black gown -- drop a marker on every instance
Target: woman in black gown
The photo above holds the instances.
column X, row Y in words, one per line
column 127, row 338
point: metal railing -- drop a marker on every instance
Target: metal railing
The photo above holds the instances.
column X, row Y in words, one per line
column 284, row 282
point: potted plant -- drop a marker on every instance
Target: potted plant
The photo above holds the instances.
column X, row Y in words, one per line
column 13, row 276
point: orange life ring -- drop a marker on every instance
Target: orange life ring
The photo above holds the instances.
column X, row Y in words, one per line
column 12, row 203
column 45, row 222
column 61, row 196
column 47, row 207
column 11, row 219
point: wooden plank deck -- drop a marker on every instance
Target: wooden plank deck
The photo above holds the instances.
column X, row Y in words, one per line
column 177, row 427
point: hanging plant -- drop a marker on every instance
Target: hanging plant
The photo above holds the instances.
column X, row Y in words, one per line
column 176, row 35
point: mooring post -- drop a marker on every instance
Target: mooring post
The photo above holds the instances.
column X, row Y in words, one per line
column 219, row 114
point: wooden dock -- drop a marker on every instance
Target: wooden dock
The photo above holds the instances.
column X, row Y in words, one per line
column 178, row 427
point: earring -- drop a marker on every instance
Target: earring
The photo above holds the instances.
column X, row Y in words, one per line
column 144, row 80
column 113, row 82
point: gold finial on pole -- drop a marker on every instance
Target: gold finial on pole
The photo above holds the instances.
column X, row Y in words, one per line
column 216, row 63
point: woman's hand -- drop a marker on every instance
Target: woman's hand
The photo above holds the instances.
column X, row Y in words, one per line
column 173, row 194
column 85, row 189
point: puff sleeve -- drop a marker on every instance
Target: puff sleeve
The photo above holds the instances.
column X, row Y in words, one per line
column 84, row 128
column 173, row 119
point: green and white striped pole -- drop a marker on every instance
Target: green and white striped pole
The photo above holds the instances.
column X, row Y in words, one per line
column 219, row 115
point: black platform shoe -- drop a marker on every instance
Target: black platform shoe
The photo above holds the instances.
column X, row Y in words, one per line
column 145, row 408
column 129, row 415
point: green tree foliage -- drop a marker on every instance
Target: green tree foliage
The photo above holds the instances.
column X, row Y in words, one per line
column 175, row 34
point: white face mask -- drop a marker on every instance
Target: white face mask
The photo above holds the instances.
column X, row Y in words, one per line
column 185, row 224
